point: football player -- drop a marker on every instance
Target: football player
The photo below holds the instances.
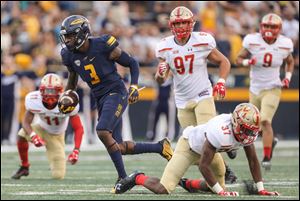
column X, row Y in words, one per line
column 49, row 129
column 222, row 133
column 186, row 54
column 264, row 53
column 93, row 59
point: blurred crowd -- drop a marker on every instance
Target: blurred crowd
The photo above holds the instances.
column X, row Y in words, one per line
column 30, row 45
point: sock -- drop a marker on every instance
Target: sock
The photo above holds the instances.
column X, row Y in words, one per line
column 196, row 184
column 267, row 152
column 118, row 162
column 140, row 148
column 23, row 152
column 140, row 179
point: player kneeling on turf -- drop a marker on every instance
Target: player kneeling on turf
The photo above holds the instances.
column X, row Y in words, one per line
column 49, row 129
column 222, row 133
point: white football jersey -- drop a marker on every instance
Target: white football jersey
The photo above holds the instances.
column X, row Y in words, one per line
column 188, row 64
column 218, row 131
column 52, row 121
column 265, row 74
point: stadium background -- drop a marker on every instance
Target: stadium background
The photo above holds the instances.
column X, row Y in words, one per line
column 30, row 48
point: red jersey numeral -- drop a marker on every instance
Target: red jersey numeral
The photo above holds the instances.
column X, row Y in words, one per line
column 179, row 64
column 226, row 130
column 267, row 60
column 55, row 120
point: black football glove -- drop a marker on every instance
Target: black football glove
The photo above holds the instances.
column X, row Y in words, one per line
column 133, row 94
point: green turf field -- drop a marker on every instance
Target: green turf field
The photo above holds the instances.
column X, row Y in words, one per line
column 93, row 177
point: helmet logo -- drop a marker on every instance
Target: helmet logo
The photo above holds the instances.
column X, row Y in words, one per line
column 77, row 21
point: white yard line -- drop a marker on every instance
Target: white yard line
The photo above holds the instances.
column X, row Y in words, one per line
column 100, row 147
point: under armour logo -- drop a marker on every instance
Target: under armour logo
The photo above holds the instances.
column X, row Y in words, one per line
column 190, row 49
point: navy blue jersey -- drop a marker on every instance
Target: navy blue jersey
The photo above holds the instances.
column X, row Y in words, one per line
column 94, row 65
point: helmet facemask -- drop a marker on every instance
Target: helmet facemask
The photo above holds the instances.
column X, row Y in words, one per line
column 181, row 15
column 270, row 27
column 51, row 88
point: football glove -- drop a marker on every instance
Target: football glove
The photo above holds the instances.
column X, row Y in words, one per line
column 133, row 94
column 228, row 193
column 249, row 62
column 219, row 89
column 285, row 83
column 37, row 140
column 162, row 69
column 265, row 192
column 73, row 157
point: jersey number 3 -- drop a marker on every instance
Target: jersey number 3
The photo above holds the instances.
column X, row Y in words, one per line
column 93, row 74
column 179, row 64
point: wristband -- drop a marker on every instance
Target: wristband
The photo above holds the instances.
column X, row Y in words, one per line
column 260, row 186
column 134, row 86
column 245, row 62
column 32, row 134
column 221, row 80
column 288, row 75
column 217, row 188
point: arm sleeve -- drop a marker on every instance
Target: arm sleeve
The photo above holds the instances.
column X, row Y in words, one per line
column 78, row 130
column 65, row 59
column 128, row 61
column 110, row 43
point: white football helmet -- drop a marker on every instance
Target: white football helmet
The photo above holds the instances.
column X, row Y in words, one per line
column 245, row 123
column 181, row 14
column 270, row 27
column 51, row 88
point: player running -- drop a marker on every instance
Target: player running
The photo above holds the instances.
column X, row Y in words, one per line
column 94, row 58
column 264, row 53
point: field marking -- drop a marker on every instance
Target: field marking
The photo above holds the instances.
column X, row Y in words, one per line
column 133, row 194
column 100, row 147
column 277, row 182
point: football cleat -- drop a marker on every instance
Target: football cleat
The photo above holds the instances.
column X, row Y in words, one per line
column 274, row 143
column 167, row 151
column 22, row 171
column 230, row 177
column 182, row 183
column 266, row 163
column 232, row 154
column 127, row 183
column 113, row 190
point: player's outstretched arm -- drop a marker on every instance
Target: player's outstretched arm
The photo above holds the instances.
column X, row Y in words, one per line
column 72, row 81
column 162, row 71
column 126, row 60
column 243, row 58
column 218, row 58
column 289, row 68
column 256, row 172
column 208, row 155
column 204, row 166
column 26, row 124
column 78, row 133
